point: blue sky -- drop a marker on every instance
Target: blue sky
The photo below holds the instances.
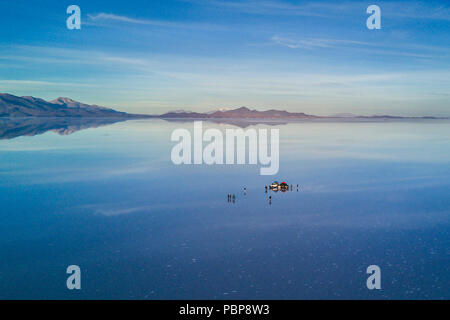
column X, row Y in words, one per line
column 154, row 56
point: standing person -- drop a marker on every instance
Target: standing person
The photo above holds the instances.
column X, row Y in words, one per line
column 245, row 190
column 266, row 189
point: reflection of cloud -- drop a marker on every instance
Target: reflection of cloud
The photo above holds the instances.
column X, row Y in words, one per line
column 387, row 184
column 111, row 209
column 381, row 155
column 79, row 174
column 115, row 212
column 355, row 220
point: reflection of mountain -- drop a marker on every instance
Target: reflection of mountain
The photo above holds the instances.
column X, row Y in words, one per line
column 15, row 127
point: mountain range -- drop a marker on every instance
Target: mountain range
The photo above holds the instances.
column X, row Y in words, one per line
column 21, row 107
column 240, row 113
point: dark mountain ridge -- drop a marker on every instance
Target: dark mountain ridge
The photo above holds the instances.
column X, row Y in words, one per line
column 17, row 107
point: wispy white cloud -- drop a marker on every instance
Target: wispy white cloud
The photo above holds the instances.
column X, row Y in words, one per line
column 419, row 10
column 102, row 17
column 400, row 9
column 69, row 56
column 405, row 50
column 315, row 9
column 96, row 19
column 149, row 81
column 109, row 16
column 30, row 83
column 309, row 43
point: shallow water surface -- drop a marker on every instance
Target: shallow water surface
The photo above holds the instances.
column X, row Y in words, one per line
column 109, row 199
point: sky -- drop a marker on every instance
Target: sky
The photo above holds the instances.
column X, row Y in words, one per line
column 152, row 57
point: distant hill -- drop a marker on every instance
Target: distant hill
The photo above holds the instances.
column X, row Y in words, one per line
column 13, row 106
column 239, row 113
column 244, row 113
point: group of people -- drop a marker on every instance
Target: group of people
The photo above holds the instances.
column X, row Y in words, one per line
column 231, row 198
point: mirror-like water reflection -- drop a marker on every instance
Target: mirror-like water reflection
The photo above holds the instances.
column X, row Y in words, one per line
column 110, row 200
